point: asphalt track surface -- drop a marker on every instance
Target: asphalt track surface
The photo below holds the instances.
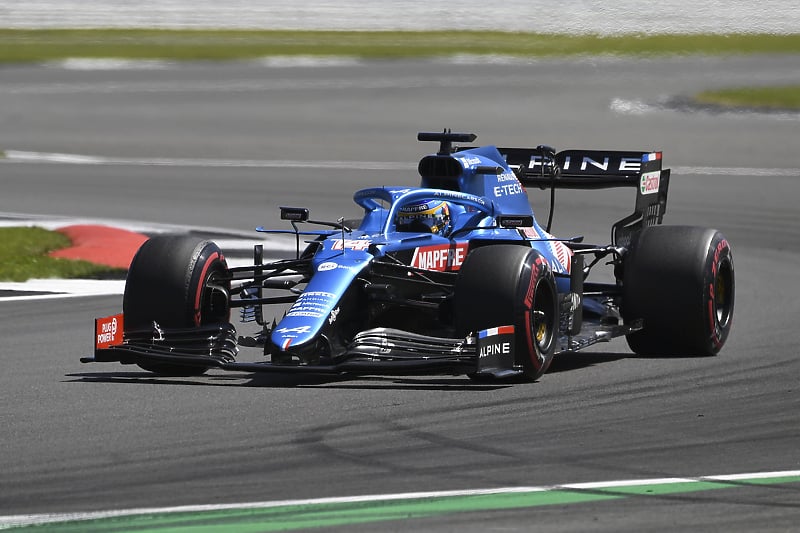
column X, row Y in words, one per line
column 98, row 437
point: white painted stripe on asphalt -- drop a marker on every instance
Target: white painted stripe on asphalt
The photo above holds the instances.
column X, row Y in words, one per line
column 31, row 519
column 90, row 63
column 309, row 61
column 67, row 287
column 54, row 289
column 625, row 106
column 78, row 159
column 738, row 171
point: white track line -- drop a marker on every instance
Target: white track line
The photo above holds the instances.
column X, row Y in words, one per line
column 78, row 159
column 20, row 156
column 31, row 519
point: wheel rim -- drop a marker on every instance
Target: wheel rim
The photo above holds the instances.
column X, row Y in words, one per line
column 214, row 296
column 542, row 319
column 723, row 294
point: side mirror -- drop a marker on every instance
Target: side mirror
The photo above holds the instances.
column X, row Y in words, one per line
column 295, row 214
column 515, row 221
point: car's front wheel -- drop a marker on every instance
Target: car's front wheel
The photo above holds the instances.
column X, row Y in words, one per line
column 502, row 285
column 178, row 282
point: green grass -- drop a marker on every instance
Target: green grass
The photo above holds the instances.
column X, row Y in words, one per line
column 24, row 256
column 785, row 97
column 18, row 45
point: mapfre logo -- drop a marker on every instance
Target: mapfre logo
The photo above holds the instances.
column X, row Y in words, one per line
column 443, row 257
column 650, row 182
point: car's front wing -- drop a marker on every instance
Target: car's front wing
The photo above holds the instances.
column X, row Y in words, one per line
column 374, row 351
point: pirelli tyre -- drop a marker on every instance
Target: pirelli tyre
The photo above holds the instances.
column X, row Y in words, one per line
column 178, row 282
column 500, row 285
column 680, row 281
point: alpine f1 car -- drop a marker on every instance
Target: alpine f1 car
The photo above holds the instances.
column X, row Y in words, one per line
column 456, row 276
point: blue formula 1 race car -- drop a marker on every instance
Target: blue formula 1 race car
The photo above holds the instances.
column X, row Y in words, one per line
column 453, row 277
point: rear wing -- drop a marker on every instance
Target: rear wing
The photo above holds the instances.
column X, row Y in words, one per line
column 580, row 169
column 545, row 168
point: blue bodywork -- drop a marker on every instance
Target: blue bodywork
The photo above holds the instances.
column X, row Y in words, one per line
column 381, row 297
column 484, row 189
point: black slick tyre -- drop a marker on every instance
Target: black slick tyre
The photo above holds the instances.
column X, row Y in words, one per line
column 501, row 285
column 680, row 281
column 178, row 282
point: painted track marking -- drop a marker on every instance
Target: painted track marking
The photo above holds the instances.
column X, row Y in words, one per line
column 298, row 514
column 20, row 156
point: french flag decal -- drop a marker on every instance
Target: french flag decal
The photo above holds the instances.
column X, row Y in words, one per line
column 653, row 156
column 491, row 332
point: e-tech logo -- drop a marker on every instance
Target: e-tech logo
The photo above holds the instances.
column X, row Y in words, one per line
column 650, row 182
column 508, row 189
column 443, row 257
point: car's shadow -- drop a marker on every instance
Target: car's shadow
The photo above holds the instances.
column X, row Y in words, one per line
column 284, row 380
column 578, row 360
column 564, row 363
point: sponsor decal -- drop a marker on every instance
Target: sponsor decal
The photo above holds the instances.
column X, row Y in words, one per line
column 108, row 331
column 334, row 315
column 298, row 330
column 491, row 332
column 539, row 268
column 318, row 294
column 650, row 182
column 529, row 233
column 330, row 265
column 715, row 326
column 455, row 195
column 508, row 189
column 444, row 257
column 314, row 304
column 606, row 164
column 563, row 255
column 496, row 348
column 351, row 244
column 469, row 161
column 305, row 311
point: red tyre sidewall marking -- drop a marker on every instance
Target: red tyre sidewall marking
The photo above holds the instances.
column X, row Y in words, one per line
column 721, row 252
column 535, row 273
column 199, row 289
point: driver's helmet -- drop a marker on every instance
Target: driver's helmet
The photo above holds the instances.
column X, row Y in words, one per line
column 432, row 216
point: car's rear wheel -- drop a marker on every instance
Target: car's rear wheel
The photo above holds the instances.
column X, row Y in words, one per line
column 502, row 285
column 178, row 282
column 680, row 281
